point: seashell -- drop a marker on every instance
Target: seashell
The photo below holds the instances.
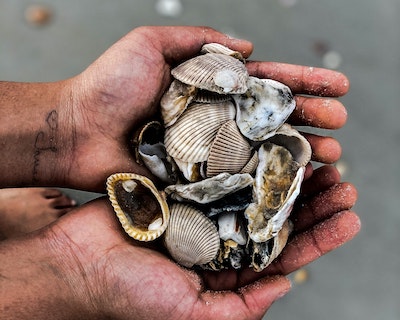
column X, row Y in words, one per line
column 294, row 141
column 231, row 228
column 265, row 252
column 219, row 48
column 263, row 108
column 277, row 184
column 190, row 138
column 191, row 171
column 141, row 209
column 229, row 151
column 210, row 189
column 230, row 255
column 251, row 165
column 175, row 100
column 204, row 96
column 150, row 150
column 191, row 238
column 215, row 72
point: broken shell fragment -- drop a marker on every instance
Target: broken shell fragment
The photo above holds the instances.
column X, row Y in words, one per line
column 219, row 48
column 191, row 238
column 141, row 209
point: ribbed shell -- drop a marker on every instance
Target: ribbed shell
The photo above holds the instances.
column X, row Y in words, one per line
column 251, row 165
column 190, row 138
column 130, row 207
column 229, row 152
column 214, row 72
column 219, row 48
column 191, row 238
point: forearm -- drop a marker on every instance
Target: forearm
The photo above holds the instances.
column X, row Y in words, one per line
column 33, row 133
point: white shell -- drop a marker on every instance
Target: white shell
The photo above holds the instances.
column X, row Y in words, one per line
column 277, row 184
column 230, row 228
column 263, row 108
column 191, row 238
column 229, row 151
column 190, row 138
column 141, row 209
column 213, row 72
column 210, row 189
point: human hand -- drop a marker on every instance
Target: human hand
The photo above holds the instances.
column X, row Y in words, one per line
column 100, row 272
column 122, row 89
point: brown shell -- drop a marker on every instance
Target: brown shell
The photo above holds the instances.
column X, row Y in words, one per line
column 229, row 152
column 213, row 72
column 190, row 138
column 141, row 209
column 191, row 238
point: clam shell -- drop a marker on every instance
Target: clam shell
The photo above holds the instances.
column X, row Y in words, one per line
column 213, row 72
column 150, row 133
column 277, row 184
column 190, row 138
column 141, row 209
column 294, row 141
column 229, row 152
column 204, row 96
column 251, row 165
column 219, row 48
column 175, row 100
column 191, row 238
column 210, row 189
column 263, row 108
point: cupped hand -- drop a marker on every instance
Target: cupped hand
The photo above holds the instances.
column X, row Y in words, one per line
column 115, row 276
column 123, row 87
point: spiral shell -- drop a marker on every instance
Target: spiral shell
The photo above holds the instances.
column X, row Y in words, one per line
column 191, row 238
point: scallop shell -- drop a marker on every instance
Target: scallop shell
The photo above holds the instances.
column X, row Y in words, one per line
column 294, row 141
column 175, row 100
column 229, row 152
column 141, row 209
column 277, row 184
column 263, row 108
column 213, row 72
column 190, row 138
column 219, row 48
column 191, row 238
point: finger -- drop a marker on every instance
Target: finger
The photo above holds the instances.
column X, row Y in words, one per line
column 179, row 43
column 338, row 198
column 251, row 302
column 313, row 243
column 319, row 113
column 302, row 79
column 324, row 149
column 322, row 178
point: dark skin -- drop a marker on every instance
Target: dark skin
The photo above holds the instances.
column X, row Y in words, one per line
column 83, row 266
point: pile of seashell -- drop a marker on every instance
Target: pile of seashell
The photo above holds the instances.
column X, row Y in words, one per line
column 230, row 166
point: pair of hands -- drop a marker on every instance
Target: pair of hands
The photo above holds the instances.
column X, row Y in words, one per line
column 106, row 274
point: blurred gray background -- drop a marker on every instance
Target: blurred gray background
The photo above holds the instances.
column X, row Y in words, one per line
column 360, row 38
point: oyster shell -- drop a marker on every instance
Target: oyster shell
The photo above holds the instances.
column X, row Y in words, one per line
column 191, row 238
column 277, row 184
column 263, row 108
column 141, row 209
column 214, row 72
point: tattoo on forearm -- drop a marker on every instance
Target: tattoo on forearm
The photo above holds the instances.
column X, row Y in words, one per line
column 45, row 141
